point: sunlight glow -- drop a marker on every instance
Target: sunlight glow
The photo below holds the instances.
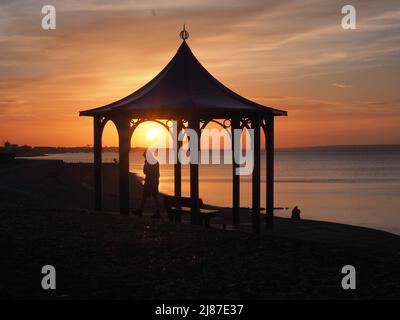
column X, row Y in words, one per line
column 152, row 133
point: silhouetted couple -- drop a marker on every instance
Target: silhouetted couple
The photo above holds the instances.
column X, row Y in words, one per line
column 151, row 170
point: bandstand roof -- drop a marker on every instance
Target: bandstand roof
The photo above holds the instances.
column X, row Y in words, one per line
column 183, row 88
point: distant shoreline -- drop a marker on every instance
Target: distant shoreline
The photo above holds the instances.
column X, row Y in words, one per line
column 369, row 147
column 28, row 151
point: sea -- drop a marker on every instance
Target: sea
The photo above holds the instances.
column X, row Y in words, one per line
column 357, row 187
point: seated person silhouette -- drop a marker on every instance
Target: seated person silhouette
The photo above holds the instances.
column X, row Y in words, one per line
column 151, row 170
column 296, row 213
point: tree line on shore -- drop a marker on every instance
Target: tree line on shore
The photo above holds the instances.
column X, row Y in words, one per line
column 26, row 151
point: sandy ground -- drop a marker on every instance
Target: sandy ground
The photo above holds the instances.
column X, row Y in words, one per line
column 46, row 218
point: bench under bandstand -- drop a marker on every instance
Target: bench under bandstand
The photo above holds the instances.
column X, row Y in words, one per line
column 185, row 92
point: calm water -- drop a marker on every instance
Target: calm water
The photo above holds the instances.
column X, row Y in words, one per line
column 352, row 187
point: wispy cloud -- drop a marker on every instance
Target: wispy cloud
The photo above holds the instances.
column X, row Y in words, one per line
column 342, row 86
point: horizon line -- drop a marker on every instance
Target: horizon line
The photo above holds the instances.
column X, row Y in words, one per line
column 263, row 147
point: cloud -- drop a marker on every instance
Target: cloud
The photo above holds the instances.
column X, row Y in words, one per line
column 342, row 86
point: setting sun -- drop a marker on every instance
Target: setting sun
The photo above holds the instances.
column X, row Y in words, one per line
column 152, row 133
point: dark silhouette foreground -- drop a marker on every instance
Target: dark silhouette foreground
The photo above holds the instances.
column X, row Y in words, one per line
column 45, row 219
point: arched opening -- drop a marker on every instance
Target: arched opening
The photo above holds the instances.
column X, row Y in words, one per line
column 150, row 134
column 109, row 141
column 110, row 159
column 215, row 170
column 246, row 184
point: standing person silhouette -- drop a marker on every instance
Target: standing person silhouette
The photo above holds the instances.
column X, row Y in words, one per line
column 151, row 170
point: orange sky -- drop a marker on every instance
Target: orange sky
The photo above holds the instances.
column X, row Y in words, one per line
column 339, row 86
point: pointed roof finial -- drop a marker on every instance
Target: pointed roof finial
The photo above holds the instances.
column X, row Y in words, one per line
column 184, row 33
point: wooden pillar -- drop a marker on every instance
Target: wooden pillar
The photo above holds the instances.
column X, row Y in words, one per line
column 235, row 124
column 178, row 166
column 270, row 172
column 194, row 175
column 256, row 175
column 97, row 163
column 124, row 148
